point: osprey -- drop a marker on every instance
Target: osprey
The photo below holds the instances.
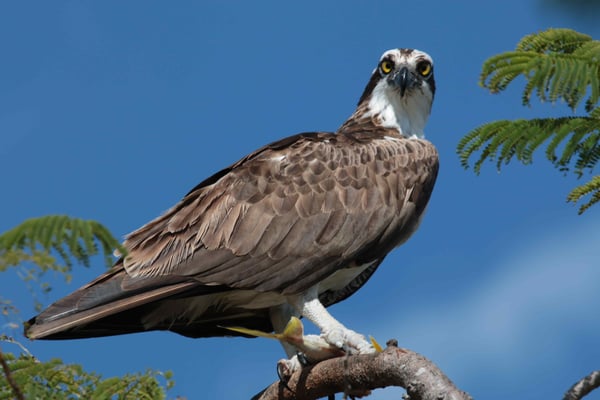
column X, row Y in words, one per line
column 290, row 229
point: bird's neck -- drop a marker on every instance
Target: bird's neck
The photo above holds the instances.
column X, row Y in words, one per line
column 406, row 116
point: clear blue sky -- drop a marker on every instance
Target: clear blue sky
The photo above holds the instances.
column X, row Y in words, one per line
column 114, row 110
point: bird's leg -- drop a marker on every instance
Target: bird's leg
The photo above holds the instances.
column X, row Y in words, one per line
column 334, row 333
column 280, row 316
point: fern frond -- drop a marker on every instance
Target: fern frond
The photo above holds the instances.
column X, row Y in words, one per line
column 73, row 239
column 107, row 241
column 591, row 102
column 527, row 147
column 475, row 139
column 571, row 148
column 590, row 188
column 503, row 69
column 55, row 380
column 589, row 50
column 501, row 141
column 538, row 79
column 36, row 245
column 589, row 153
column 557, row 64
column 558, row 40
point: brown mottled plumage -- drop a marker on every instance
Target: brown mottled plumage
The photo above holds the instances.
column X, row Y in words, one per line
column 275, row 224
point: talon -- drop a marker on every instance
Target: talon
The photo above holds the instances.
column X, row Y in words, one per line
column 302, row 359
column 286, row 368
column 284, row 373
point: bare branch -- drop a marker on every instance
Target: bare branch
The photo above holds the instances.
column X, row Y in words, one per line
column 583, row 387
column 358, row 375
column 9, row 378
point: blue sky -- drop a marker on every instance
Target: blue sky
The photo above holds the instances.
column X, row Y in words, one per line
column 114, row 110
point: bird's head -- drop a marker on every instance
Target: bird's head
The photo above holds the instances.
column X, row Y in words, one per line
column 400, row 92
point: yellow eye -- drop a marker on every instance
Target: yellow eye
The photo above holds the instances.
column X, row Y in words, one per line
column 424, row 68
column 386, row 66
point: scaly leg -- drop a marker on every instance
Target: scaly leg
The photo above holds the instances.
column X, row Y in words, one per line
column 336, row 334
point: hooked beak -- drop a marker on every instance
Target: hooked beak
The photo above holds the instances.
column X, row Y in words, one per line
column 403, row 79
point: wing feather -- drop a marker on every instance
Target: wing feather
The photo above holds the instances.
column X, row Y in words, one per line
column 291, row 213
column 276, row 233
column 249, row 229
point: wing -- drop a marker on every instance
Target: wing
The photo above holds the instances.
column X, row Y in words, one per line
column 292, row 213
column 281, row 219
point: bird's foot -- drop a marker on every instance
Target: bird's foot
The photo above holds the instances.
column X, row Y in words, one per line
column 348, row 340
column 287, row 367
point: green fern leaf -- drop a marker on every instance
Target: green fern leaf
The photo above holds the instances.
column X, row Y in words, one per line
column 590, row 188
column 589, row 153
column 87, row 236
column 594, row 92
column 553, row 40
column 501, row 141
column 588, row 50
column 531, row 145
column 557, row 64
column 571, row 147
column 109, row 244
column 55, row 224
column 562, row 129
column 498, row 72
column 73, row 239
column 55, row 380
column 475, row 140
column 538, row 79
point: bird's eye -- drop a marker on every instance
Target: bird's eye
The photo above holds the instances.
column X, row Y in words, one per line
column 386, row 66
column 424, row 68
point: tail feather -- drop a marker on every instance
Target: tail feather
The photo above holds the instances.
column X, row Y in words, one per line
column 111, row 294
column 116, row 303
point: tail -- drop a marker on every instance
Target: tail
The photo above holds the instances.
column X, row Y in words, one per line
column 112, row 304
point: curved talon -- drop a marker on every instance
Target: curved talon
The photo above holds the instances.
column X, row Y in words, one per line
column 302, row 359
column 286, row 368
column 284, row 374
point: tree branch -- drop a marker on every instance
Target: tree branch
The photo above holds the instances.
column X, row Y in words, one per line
column 358, row 375
column 583, row 387
column 9, row 378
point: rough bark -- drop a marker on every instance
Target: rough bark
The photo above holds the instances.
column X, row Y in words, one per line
column 358, row 375
column 583, row 387
column 11, row 382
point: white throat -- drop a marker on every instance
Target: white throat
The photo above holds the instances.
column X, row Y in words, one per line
column 407, row 114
